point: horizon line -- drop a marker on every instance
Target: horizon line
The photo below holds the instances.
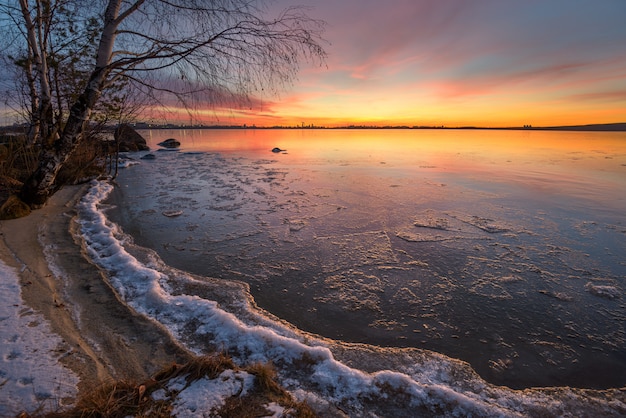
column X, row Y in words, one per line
column 607, row 127
column 615, row 126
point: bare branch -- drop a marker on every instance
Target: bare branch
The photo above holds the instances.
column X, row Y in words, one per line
column 132, row 9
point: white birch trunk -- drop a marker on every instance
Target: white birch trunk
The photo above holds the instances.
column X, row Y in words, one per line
column 41, row 184
column 33, row 68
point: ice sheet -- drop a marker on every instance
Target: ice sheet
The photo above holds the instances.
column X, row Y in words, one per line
column 498, row 253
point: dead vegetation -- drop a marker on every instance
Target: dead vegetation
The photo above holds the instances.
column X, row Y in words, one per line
column 130, row 399
column 18, row 160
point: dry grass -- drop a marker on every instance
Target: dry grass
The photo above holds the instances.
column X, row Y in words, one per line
column 18, row 161
column 129, row 399
column 199, row 367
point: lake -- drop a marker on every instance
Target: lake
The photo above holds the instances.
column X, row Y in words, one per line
column 502, row 248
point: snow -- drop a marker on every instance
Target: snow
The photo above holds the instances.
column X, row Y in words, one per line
column 275, row 409
column 31, row 375
column 204, row 395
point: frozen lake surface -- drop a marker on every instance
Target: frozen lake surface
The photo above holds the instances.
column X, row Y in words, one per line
column 505, row 249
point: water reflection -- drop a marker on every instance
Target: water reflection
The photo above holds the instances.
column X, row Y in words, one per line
column 589, row 165
column 456, row 150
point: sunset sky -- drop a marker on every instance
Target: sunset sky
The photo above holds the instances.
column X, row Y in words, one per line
column 458, row 62
column 490, row 63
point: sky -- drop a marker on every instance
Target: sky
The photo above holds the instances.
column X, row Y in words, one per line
column 490, row 63
column 494, row 63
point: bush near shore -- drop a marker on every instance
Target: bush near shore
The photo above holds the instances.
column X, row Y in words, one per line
column 18, row 160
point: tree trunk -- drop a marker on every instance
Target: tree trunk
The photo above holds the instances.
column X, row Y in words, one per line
column 41, row 184
column 33, row 60
column 33, row 130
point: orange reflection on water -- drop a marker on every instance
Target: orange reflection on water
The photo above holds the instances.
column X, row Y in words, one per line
column 590, row 165
column 444, row 150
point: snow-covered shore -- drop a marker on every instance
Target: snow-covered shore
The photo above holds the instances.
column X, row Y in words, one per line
column 62, row 331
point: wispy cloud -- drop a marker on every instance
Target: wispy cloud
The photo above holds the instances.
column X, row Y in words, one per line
column 454, row 59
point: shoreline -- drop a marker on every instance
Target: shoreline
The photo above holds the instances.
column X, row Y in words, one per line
column 102, row 340
column 105, row 340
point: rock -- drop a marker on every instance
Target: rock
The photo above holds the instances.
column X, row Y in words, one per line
column 148, row 157
column 129, row 139
column 169, row 143
column 14, row 208
column 277, row 150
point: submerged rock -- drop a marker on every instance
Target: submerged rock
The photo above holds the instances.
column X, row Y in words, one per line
column 169, row 143
column 148, row 157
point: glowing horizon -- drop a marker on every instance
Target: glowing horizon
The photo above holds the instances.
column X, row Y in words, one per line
column 454, row 63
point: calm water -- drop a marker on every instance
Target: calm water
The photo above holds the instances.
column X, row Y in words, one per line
column 505, row 249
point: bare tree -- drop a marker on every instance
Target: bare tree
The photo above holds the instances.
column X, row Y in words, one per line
column 193, row 50
column 47, row 56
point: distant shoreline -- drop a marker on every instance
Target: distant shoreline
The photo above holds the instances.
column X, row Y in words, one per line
column 606, row 127
column 602, row 127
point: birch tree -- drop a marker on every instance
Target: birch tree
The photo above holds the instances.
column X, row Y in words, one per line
column 49, row 47
column 191, row 50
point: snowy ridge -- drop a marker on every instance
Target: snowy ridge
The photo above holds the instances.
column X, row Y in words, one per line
column 308, row 369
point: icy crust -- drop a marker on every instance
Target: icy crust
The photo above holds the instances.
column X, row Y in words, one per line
column 31, row 376
column 604, row 290
column 432, row 226
column 411, row 382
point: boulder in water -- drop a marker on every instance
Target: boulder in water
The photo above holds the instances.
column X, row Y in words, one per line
column 129, row 140
column 169, row 143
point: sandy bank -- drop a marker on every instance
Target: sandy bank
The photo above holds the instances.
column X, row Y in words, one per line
column 102, row 339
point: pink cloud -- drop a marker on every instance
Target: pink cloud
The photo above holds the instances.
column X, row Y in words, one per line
column 601, row 96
